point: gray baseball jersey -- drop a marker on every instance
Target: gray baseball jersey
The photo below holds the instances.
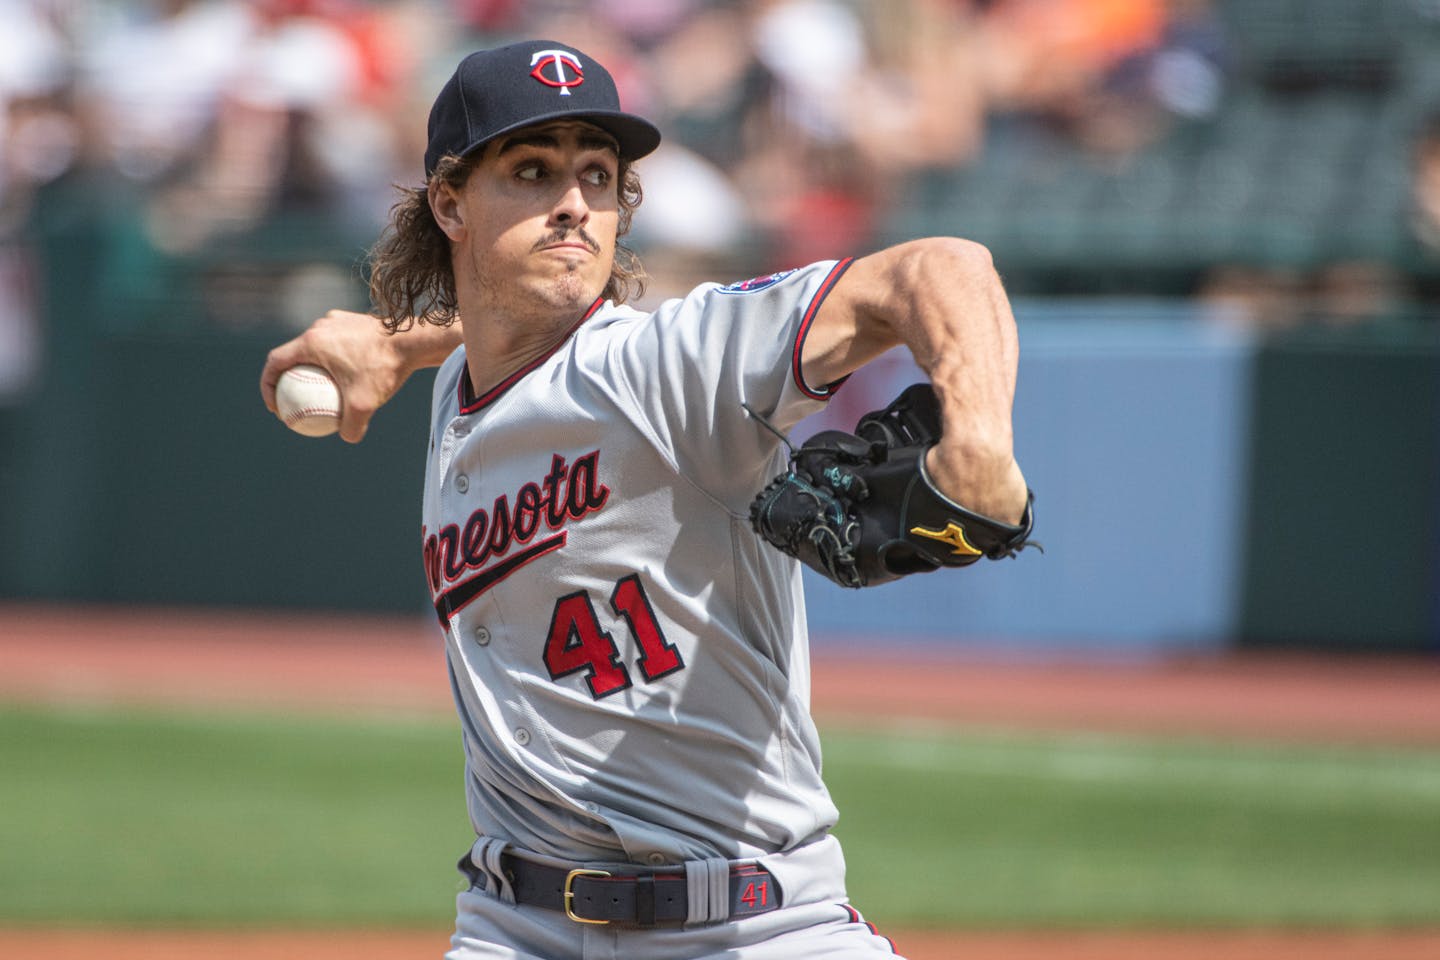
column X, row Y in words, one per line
column 628, row 659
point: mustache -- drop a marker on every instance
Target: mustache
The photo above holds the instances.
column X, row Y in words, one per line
column 562, row 234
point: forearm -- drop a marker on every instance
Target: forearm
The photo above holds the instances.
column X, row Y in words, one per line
column 957, row 322
column 425, row 345
column 941, row 299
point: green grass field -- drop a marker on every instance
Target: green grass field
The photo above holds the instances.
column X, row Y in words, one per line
column 139, row 818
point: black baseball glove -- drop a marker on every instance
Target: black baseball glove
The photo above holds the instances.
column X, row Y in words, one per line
column 860, row 508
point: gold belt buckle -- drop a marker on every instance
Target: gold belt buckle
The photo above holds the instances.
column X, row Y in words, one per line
column 570, row 894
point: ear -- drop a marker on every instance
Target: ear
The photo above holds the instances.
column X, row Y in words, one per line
column 445, row 207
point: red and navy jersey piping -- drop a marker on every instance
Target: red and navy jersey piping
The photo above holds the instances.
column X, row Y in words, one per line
column 828, row 284
column 855, row 917
column 469, row 403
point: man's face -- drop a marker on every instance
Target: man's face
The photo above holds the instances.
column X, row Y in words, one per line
column 540, row 213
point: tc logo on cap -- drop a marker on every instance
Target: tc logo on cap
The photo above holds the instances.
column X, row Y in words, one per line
column 549, row 69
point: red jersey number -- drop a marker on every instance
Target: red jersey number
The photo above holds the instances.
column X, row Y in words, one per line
column 577, row 643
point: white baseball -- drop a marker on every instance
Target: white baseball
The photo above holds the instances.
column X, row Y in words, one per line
column 307, row 400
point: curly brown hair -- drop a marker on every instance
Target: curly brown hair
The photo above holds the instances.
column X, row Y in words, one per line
column 411, row 279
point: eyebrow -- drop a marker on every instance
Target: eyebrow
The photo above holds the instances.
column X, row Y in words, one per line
column 588, row 141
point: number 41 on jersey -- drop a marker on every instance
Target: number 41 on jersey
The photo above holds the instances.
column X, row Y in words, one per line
column 577, row 643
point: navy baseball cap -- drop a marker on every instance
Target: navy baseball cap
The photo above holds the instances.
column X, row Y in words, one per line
column 494, row 92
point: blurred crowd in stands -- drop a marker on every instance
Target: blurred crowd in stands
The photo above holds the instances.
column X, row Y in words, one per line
column 794, row 128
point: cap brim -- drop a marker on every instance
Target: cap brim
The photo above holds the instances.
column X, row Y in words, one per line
column 634, row 136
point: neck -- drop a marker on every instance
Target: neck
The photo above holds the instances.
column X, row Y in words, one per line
column 497, row 346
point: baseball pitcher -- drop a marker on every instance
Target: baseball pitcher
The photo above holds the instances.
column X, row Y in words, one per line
column 613, row 520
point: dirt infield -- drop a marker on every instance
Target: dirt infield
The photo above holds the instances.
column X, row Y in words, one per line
column 100, row 656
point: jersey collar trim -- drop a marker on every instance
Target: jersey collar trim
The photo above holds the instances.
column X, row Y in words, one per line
column 469, row 403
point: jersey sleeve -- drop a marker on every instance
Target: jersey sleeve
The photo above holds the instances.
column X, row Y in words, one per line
column 695, row 364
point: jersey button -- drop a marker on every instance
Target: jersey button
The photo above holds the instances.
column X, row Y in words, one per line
column 522, row 736
column 482, row 636
column 462, row 483
column 656, row 859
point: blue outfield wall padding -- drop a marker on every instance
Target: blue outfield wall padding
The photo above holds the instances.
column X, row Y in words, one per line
column 1132, row 433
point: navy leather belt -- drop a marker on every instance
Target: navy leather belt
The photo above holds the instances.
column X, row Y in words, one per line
column 642, row 899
